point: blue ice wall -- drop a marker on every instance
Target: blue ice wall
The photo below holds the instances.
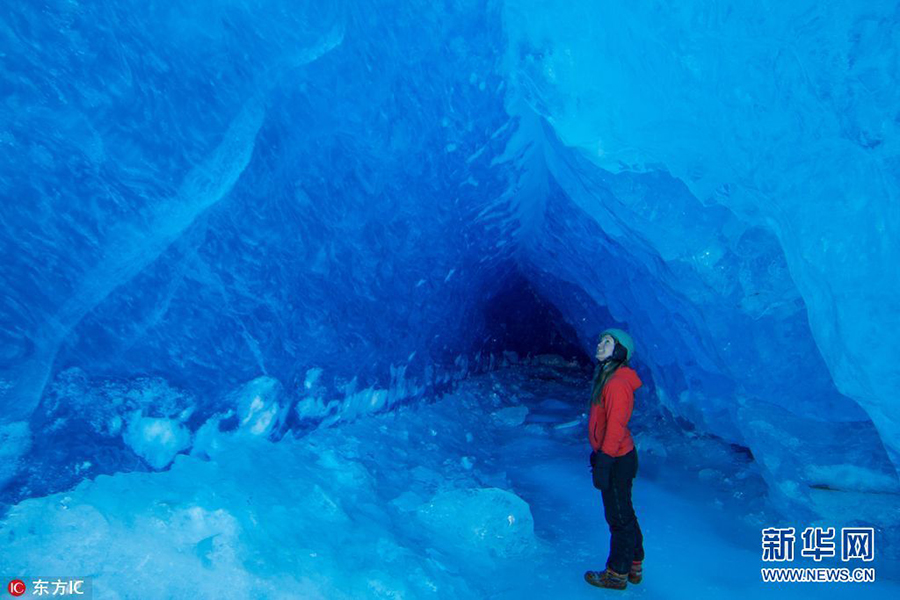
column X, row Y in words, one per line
column 318, row 205
column 215, row 193
column 742, row 157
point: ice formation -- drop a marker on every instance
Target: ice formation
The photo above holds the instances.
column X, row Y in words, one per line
column 237, row 236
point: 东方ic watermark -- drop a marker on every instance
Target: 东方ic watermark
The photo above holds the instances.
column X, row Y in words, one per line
column 58, row 587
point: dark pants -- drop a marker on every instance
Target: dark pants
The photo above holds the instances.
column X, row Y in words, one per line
column 626, row 541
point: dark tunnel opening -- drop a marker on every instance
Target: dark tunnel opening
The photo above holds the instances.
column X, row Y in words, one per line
column 520, row 320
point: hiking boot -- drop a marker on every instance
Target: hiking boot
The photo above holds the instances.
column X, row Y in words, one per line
column 607, row 579
column 636, row 573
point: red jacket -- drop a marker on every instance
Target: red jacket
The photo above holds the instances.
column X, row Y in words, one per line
column 608, row 425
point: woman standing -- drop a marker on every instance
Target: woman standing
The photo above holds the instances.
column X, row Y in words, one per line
column 614, row 459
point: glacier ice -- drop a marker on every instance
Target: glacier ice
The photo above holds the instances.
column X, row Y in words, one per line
column 778, row 133
column 380, row 507
column 362, row 250
column 487, row 520
column 156, row 440
column 511, row 416
column 261, row 408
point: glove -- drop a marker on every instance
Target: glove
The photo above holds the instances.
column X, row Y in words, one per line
column 600, row 471
column 593, row 459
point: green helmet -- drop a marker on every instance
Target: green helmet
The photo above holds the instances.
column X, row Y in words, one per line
column 623, row 339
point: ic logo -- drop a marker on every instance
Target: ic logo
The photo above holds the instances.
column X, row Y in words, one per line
column 16, row 587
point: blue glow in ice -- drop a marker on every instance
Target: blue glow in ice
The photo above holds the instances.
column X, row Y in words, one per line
column 303, row 296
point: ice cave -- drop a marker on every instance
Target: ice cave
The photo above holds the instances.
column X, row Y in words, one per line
column 301, row 299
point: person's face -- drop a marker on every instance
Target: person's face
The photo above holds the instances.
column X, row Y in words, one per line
column 605, row 347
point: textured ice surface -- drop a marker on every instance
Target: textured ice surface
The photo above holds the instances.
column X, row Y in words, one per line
column 774, row 250
column 381, row 508
column 491, row 521
column 511, row 415
column 229, row 221
column 261, row 408
column 218, row 195
column 156, row 440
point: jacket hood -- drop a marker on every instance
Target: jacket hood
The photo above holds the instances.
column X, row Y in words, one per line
column 629, row 376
